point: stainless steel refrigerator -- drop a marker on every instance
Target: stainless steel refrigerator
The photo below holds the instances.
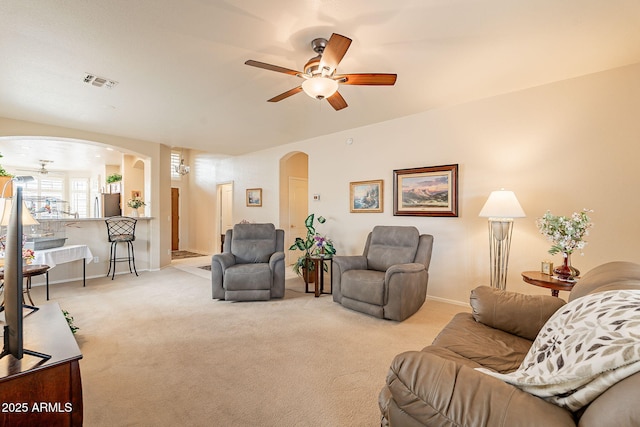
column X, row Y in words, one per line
column 111, row 205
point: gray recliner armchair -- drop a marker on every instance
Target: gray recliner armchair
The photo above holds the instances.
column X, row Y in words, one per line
column 389, row 280
column 251, row 267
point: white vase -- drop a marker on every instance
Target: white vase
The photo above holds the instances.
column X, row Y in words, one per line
column 134, row 213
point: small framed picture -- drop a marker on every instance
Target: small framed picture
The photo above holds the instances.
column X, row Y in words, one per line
column 254, row 197
column 366, row 196
column 547, row 268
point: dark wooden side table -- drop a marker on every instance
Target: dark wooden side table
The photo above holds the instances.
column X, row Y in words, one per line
column 318, row 264
column 28, row 271
column 538, row 278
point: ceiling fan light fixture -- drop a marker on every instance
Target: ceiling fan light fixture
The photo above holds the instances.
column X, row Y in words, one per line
column 320, row 87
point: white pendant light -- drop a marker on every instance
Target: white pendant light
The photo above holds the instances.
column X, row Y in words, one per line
column 320, row 87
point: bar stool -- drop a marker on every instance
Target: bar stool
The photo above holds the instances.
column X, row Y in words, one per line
column 121, row 229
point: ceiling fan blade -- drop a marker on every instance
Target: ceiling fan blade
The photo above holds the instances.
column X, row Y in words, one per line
column 285, row 94
column 371, row 79
column 270, row 67
column 337, row 101
column 334, row 52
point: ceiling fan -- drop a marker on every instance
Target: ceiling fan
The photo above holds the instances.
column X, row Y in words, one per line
column 320, row 78
column 43, row 170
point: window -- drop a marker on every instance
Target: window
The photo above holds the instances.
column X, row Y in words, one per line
column 45, row 197
column 175, row 162
column 79, row 196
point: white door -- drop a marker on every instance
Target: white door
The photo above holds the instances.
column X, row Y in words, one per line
column 298, row 211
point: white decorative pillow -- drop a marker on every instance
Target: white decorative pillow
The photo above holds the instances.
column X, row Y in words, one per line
column 585, row 347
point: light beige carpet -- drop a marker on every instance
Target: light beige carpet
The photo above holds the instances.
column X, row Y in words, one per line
column 158, row 351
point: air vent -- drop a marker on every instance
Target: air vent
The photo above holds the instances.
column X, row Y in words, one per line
column 94, row 80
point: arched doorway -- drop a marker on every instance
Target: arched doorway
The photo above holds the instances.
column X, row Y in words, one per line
column 294, row 198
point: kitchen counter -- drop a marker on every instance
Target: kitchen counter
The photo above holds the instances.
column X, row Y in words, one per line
column 93, row 233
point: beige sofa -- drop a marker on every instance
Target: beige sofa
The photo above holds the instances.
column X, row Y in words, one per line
column 439, row 386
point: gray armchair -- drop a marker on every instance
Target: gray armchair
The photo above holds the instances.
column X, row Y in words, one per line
column 389, row 280
column 251, row 266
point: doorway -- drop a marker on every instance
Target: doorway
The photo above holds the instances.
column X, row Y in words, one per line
column 298, row 211
column 294, row 199
column 225, row 197
column 175, row 219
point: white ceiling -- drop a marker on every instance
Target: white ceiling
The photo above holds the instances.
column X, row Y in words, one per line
column 182, row 81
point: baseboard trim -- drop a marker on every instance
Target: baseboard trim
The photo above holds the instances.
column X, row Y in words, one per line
column 449, row 301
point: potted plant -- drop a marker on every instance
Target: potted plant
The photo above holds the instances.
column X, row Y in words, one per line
column 114, row 177
column 313, row 244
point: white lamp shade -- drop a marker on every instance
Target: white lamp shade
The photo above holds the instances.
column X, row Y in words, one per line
column 320, row 87
column 502, row 204
column 5, row 211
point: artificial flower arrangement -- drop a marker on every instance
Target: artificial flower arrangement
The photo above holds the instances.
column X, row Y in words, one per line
column 566, row 233
column 313, row 244
column 28, row 255
column 136, row 203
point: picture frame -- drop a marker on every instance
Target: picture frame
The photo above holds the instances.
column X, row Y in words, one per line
column 254, row 197
column 366, row 196
column 546, row 267
column 426, row 191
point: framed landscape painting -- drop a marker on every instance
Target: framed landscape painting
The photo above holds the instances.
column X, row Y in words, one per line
column 427, row 191
column 254, row 197
column 366, row 196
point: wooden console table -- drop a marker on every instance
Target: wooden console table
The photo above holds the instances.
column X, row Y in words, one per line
column 49, row 394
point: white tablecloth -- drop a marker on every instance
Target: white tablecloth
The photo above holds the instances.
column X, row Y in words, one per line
column 55, row 256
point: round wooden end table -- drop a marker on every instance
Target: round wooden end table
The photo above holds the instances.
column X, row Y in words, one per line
column 543, row 280
column 28, row 271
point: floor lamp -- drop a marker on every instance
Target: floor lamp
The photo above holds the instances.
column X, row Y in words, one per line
column 501, row 208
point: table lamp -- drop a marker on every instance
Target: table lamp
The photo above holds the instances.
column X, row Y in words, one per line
column 501, row 208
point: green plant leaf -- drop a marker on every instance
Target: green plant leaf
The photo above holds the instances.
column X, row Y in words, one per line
column 299, row 244
column 309, row 221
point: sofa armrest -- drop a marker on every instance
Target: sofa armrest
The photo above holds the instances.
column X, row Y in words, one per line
column 219, row 263
column 411, row 268
column 341, row 264
column 224, row 260
column 352, row 262
column 432, row 390
column 518, row 314
column 276, row 264
column 406, row 290
column 275, row 257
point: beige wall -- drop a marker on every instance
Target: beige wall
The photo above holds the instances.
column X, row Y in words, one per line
column 563, row 147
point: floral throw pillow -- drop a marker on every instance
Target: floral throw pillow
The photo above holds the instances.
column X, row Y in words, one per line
column 585, row 347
